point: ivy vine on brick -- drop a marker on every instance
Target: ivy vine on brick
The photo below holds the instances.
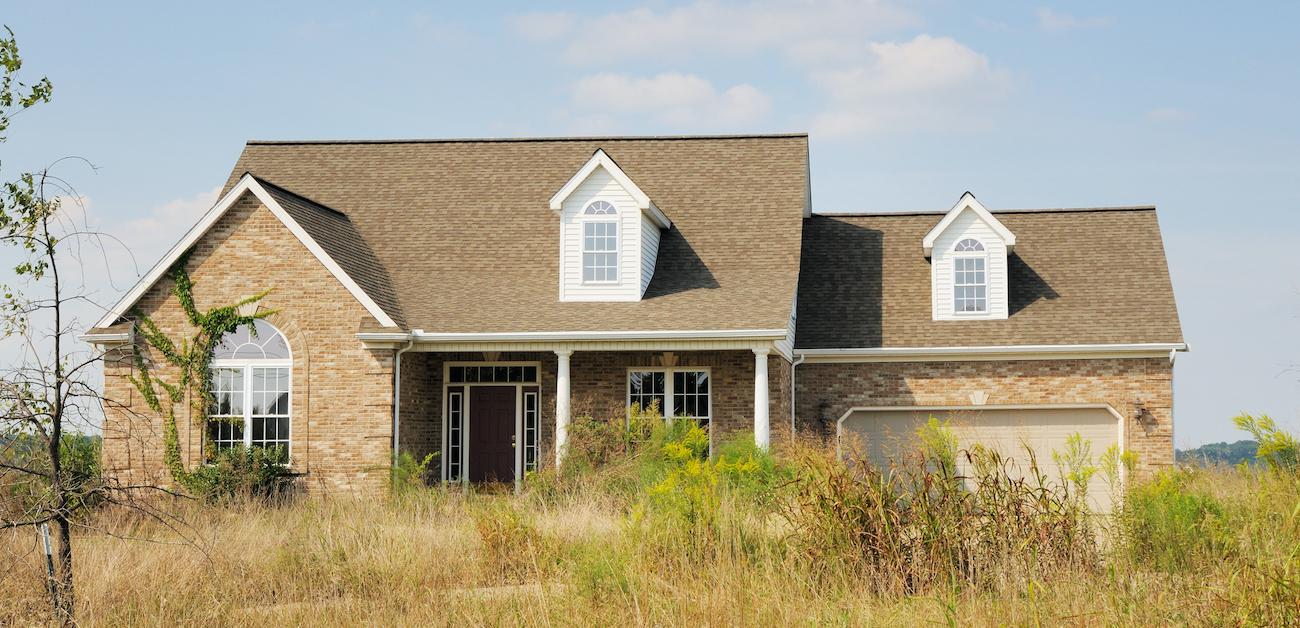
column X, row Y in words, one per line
column 191, row 358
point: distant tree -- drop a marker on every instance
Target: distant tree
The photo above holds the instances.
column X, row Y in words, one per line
column 1220, row 453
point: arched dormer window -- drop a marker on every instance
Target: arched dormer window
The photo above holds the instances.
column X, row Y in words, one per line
column 600, row 208
column 970, row 284
column 251, row 377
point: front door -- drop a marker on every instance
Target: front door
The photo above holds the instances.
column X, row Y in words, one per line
column 492, row 434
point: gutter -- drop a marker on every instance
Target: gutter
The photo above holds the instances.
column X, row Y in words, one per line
column 872, row 354
column 106, row 339
column 574, row 336
column 792, row 391
column 397, row 398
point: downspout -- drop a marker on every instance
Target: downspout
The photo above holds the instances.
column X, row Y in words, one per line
column 792, row 381
column 397, row 397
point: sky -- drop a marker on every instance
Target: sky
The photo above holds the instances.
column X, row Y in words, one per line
column 1027, row 104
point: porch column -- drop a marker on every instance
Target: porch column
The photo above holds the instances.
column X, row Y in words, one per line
column 561, row 403
column 762, row 430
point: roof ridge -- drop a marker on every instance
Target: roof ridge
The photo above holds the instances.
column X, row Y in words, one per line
column 577, row 138
column 1045, row 210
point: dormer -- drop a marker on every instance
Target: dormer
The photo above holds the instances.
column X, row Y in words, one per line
column 609, row 234
column 968, row 263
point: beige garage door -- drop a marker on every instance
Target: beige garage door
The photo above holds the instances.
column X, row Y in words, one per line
column 883, row 434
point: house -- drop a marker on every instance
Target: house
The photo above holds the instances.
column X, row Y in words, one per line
column 470, row 297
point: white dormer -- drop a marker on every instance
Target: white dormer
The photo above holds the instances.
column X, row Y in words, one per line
column 968, row 263
column 609, row 234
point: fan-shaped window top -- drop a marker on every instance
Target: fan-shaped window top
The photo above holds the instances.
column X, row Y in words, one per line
column 968, row 245
column 600, row 208
column 259, row 341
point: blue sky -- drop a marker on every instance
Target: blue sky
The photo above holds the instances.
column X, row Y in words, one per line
column 1190, row 108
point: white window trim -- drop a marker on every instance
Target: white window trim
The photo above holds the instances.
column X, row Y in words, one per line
column 952, row 278
column 465, row 423
column 247, row 364
column 618, row 249
column 668, row 410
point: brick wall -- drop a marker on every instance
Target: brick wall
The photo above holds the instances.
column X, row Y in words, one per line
column 342, row 393
column 826, row 391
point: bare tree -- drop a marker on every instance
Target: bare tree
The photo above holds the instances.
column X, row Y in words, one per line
column 49, row 471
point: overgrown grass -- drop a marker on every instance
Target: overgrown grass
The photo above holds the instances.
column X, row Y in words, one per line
column 644, row 529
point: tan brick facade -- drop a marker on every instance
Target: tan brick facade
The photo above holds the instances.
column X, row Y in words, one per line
column 341, row 392
column 827, row 390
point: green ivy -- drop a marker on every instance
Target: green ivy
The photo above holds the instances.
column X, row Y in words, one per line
column 192, row 358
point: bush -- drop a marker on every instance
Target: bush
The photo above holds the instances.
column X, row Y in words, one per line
column 1169, row 526
column 916, row 525
column 409, row 474
column 242, row 473
column 1277, row 448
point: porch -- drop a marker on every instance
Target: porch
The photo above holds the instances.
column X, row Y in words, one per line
column 495, row 416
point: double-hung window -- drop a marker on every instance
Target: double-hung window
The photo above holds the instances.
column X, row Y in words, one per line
column 251, row 370
column 679, row 393
column 970, row 278
column 599, row 252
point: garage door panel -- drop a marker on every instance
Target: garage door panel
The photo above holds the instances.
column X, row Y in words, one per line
column 883, row 436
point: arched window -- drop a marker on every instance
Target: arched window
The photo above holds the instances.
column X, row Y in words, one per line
column 251, row 375
column 600, row 244
column 970, row 278
column 600, row 208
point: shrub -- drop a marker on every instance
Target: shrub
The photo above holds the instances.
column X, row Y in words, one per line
column 1168, row 525
column 1277, row 448
column 239, row 473
column 916, row 525
column 409, row 474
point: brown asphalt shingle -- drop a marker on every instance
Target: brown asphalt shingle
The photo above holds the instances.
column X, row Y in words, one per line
column 1077, row 277
column 469, row 244
column 338, row 236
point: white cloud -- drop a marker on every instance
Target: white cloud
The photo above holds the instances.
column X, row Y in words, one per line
column 672, row 99
column 1050, row 20
column 710, row 26
column 1168, row 114
column 935, row 82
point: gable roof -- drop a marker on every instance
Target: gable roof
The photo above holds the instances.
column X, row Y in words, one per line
column 1078, row 277
column 308, row 221
column 967, row 202
column 336, row 234
column 602, row 160
column 464, row 232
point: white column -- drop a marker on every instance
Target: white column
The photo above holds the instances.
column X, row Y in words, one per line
column 561, row 403
column 762, row 429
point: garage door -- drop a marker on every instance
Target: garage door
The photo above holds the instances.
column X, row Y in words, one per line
column 885, row 434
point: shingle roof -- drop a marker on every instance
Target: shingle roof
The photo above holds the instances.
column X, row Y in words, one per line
column 1077, row 277
column 463, row 231
column 335, row 233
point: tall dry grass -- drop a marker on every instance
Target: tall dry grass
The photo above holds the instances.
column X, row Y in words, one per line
column 654, row 537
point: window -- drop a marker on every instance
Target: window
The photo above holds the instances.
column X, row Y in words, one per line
column 970, row 278
column 680, row 393
column 600, row 208
column 599, row 252
column 455, row 419
column 646, row 390
column 251, row 367
column 530, row 432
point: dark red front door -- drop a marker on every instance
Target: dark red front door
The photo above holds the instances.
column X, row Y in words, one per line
column 491, row 434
